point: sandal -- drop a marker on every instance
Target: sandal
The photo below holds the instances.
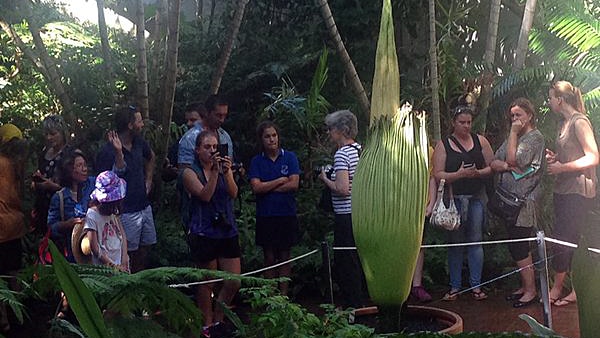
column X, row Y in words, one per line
column 479, row 295
column 450, row 296
column 564, row 302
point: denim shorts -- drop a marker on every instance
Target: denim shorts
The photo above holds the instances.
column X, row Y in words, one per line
column 139, row 228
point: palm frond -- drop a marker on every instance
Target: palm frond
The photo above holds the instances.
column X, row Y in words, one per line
column 9, row 298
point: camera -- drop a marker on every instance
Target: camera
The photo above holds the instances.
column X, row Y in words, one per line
column 327, row 168
column 220, row 220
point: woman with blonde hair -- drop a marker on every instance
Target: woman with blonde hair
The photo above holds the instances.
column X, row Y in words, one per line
column 573, row 162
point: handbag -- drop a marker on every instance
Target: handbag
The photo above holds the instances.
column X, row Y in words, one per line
column 325, row 203
column 505, row 204
column 445, row 217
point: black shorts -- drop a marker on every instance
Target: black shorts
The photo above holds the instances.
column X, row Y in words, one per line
column 204, row 249
column 277, row 232
column 11, row 256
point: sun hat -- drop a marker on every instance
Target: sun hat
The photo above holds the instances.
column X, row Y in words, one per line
column 80, row 245
column 9, row 131
column 109, row 187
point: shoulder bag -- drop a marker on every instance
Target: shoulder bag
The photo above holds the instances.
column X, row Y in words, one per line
column 506, row 204
column 445, row 217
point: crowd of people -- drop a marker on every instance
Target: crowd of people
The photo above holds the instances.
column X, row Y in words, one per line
column 108, row 219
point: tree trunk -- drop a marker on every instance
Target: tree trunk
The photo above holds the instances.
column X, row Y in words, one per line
column 435, row 86
column 488, row 58
column 523, row 44
column 226, row 53
column 54, row 78
column 170, row 66
column 350, row 71
column 211, row 19
column 142, row 65
column 103, row 31
column 29, row 53
column 157, row 60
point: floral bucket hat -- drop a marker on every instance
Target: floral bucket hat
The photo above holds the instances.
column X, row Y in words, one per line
column 109, row 187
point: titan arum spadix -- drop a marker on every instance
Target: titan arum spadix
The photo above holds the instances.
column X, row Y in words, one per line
column 389, row 189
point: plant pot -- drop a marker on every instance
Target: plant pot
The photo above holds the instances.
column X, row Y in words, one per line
column 451, row 321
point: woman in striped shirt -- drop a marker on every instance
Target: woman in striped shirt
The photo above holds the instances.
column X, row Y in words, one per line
column 342, row 129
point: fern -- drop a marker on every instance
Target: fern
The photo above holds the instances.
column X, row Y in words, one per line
column 9, row 298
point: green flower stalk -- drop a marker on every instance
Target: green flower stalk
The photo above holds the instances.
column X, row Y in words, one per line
column 390, row 185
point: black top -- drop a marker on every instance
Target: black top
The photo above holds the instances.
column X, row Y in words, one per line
column 454, row 159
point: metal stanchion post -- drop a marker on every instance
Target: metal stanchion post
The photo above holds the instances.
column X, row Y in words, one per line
column 327, row 265
column 544, row 279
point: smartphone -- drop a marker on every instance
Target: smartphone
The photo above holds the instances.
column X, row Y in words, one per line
column 468, row 165
column 223, row 149
column 37, row 179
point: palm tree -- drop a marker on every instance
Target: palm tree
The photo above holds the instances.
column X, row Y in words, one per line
column 226, row 52
column 523, row 43
column 488, row 59
column 351, row 73
column 435, row 86
column 142, row 64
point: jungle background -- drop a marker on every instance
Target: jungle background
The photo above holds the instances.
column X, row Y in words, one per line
column 283, row 60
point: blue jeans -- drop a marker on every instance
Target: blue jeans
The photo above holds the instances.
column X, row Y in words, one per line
column 469, row 231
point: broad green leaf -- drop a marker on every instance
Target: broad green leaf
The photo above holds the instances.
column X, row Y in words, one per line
column 80, row 298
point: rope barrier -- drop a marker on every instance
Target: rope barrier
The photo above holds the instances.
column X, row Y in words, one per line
column 529, row 239
column 187, row 285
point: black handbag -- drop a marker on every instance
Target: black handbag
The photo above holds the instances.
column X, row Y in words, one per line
column 325, row 203
column 505, row 204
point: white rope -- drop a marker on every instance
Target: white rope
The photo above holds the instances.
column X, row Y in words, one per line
column 455, row 244
column 569, row 244
column 187, row 285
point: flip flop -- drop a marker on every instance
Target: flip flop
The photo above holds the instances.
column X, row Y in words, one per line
column 450, row 296
column 479, row 295
column 514, row 296
column 564, row 302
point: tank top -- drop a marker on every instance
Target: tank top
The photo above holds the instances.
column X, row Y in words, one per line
column 454, row 159
column 568, row 149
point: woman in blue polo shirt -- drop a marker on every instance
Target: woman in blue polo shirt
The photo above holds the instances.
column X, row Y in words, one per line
column 274, row 177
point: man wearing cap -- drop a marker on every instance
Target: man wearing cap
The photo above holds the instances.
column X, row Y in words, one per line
column 130, row 156
column 13, row 152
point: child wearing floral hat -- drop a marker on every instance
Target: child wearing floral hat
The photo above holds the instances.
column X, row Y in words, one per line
column 102, row 223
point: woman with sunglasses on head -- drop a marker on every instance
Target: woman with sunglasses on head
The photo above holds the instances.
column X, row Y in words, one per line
column 518, row 163
column 45, row 178
column 573, row 162
column 463, row 159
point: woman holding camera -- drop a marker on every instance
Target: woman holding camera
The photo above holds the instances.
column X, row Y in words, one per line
column 212, row 232
column 463, row 159
column 274, row 176
column 518, row 163
column 342, row 127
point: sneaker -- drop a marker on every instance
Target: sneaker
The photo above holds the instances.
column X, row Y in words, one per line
column 420, row 294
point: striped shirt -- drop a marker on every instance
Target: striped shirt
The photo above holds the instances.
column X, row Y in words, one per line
column 346, row 158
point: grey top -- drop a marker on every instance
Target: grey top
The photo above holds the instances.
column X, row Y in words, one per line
column 530, row 157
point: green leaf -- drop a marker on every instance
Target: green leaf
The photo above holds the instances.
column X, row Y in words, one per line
column 80, row 298
column 537, row 328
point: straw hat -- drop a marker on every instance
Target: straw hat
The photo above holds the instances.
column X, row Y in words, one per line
column 80, row 245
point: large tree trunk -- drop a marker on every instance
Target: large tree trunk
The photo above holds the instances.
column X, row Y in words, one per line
column 226, row 53
column 103, row 31
column 157, row 59
column 170, row 66
column 54, row 78
column 142, row 65
column 488, row 58
column 351, row 73
column 435, row 86
column 523, row 44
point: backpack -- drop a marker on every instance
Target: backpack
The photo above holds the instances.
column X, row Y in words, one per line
column 44, row 256
column 185, row 199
